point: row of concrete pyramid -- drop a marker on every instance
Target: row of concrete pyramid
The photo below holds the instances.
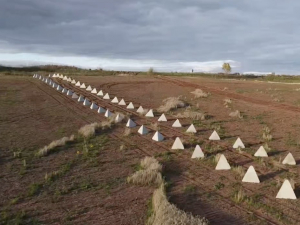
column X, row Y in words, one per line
column 286, row 191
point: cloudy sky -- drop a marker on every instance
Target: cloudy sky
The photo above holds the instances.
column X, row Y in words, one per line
column 169, row 35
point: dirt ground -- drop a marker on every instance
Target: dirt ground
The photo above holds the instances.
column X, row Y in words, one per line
column 32, row 114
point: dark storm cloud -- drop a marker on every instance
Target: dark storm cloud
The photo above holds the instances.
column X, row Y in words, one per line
column 261, row 35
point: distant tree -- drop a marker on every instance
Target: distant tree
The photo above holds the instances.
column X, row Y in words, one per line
column 226, row 67
column 151, row 71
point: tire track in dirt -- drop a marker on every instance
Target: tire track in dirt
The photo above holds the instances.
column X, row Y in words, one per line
column 85, row 93
column 279, row 106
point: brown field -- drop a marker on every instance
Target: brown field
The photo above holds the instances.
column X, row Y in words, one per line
column 91, row 186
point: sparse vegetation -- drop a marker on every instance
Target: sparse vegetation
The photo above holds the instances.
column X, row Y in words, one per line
column 198, row 93
column 236, row 113
column 170, row 104
column 192, row 115
column 89, row 130
column 226, row 67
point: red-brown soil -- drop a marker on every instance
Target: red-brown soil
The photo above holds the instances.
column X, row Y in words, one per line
column 194, row 185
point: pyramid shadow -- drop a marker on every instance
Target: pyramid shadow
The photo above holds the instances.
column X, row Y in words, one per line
column 297, row 161
column 254, row 144
column 208, row 154
column 273, row 153
column 268, row 176
column 297, row 191
column 244, row 162
column 228, row 137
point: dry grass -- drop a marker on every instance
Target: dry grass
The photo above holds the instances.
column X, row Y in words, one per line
column 240, row 170
column 126, row 132
column 227, row 102
column 198, row 93
column 239, row 196
column 48, row 148
column 236, row 113
column 150, row 174
column 170, row 104
column 155, row 126
column 192, row 115
column 89, row 130
column 165, row 213
column 217, row 157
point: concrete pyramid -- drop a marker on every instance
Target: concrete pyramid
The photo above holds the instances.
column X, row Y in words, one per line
column 162, row 118
column 286, row 191
column 191, row 129
column 100, row 93
column 94, row 106
column 64, row 90
column 130, row 106
column 40, row 77
column 69, row 80
column 54, row 85
column 65, row 78
column 70, row 92
column 214, row 136
column 122, row 102
column 83, row 86
column 150, row 113
column 78, row 84
column 89, row 88
column 261, row 152
column 106, row 96
column 251, row 176
column 33, row 76
column 289, row 160
column 59, row 88
column 94, row 91
column 157, row 136
column 119, row 118
column 81, row 98
column 222, row 163
column 130, row 123
column 43, row 79
column 74, row 95
column 177, row 144
column 50, row 83
column 177, row 124
column 198, row 153
column 238, row 143
column 140, row 109
column 108, row 113
column 143, row 130
column 115, row 100
column 86, row 102
column 101, row 110
column 73, row 81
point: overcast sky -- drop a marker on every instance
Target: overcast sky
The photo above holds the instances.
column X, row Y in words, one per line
column 169, row 35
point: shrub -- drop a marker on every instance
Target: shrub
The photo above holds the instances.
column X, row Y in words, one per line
column 171, row 103
column 198, row 93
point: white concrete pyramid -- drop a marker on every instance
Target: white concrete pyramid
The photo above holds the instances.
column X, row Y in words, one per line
column 40, row 77
column 74, row 95
column 261, row 152
column 94, row 106
column 143, row 130
column 238, row 143
column 198, row 153
column 177, row 124
column 286, row 191
column 81, row 98
column 130, row 123
column 33, row 76
column 162, row 118
column 140, row 109
column 73, row 81
column 78, row 84
column 83, row 86
column 89, row 88
column 86, row 102
column 50, row 83
column 54, row 85
column 214, row 136
column 70, row 92
column 130, row 106
column 101, row 110
column 69, row 80
column 191, row 129
column 150, row 113
column 115, row 100
column 108, row 113
column 289, row 160
column 64, row 90
column 177, row 144
column 100, row 93
column 119, row 118
column 43, row 79
column 223, row 163
column 94, row 91
column 61, row 76
column 122, row 102
column 106, row 96
column 251, row 176
column 59, row 88
column 157, row 136
column 65, row 78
